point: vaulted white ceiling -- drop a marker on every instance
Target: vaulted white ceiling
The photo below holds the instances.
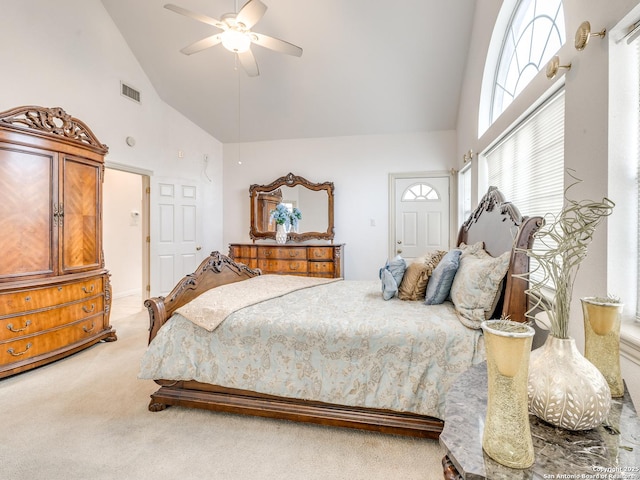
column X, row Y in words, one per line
column 368, row 67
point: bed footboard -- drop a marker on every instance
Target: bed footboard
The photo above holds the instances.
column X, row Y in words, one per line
column 215, row 270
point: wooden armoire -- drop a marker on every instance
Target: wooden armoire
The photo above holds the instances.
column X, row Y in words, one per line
column 55, row 294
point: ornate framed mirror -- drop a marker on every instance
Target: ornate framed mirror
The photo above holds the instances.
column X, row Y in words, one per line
column 314, row 200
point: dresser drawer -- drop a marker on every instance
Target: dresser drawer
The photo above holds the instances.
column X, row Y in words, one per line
column 34, row 299
column 249, row 262
column 240, row 251
column 283, row 267
column 283, row 253
column 320, row 253
column 45, row 343
column 34, row 322
column 321, row 269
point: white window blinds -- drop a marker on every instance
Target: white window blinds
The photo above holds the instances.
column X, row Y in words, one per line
column 464, row 195
column 635, row 43
column 527, row 165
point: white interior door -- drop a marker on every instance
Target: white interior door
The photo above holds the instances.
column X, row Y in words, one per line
column 421, row 215
column 176, row 232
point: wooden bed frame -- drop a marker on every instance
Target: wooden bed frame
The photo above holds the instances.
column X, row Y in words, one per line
column 495, row 222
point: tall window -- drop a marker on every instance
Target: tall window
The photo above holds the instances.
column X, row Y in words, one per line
column 535, row 33
column 527, row 165
column 464, row 194
column 635, row 73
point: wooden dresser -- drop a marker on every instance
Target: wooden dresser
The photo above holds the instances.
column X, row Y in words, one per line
column 312, row 260
column 55, row 294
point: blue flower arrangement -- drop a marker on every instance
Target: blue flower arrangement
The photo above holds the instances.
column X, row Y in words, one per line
column 296, row 215
column 283, row 216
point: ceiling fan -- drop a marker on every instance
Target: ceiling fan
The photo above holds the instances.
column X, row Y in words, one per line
column 236, row 35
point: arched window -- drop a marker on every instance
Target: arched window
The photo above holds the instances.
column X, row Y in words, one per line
column 420, row 192
column 535, row 32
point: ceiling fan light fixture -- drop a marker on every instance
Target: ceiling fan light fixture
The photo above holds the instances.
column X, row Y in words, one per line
column 236, row 41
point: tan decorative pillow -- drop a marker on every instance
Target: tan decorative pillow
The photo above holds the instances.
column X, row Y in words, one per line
column 416, row 277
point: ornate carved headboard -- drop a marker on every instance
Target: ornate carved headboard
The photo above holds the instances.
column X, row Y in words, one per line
column 502, row 228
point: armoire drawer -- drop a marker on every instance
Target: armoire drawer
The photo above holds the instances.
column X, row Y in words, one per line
column 33, row 322
column 283, row 267
column 34, row 299
column 47, row 342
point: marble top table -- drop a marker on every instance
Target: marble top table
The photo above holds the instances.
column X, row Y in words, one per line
column 600, row 453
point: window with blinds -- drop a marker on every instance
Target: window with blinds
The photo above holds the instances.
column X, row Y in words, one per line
column 527, row 165
column 634, row 42
column 464, row 194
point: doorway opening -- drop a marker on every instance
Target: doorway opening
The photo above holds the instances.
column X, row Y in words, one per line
column 126, row 230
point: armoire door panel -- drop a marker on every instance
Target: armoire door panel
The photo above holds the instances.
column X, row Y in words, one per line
column 26, row 185
column 80, row 204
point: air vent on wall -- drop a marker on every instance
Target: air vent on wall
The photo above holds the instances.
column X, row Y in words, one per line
column 129, row 92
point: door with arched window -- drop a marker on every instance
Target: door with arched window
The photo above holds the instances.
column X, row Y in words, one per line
column 420, row 215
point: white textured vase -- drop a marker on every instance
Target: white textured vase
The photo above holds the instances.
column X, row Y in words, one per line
column 281, row 234
column 565, row 389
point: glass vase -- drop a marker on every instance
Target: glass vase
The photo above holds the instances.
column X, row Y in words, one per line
column 281, row 234
column 507, row 435
column 602, row 339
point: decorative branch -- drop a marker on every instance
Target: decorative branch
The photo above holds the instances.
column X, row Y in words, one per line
column 560, row 249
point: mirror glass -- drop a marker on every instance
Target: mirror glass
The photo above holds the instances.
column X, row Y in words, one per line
column 314, row 200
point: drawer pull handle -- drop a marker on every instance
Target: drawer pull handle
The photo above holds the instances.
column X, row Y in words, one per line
column 293, row 266
column 90, row 329
column 89, row 310
column 90, row 290
column 16, row 330
column 267, row 253
column 17, row 354
column 318, row 254
column 293, row 254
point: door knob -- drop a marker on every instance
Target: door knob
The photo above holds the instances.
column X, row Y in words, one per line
column 399, row 242
column 198, row 248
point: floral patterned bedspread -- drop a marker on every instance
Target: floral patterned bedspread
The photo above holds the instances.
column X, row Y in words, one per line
column 339, row 343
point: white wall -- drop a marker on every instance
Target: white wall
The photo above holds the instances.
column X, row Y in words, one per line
column 359, row 167
column 69, row 53
column 587, row 132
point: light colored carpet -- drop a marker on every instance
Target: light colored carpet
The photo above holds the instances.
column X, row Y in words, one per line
column 86, row 417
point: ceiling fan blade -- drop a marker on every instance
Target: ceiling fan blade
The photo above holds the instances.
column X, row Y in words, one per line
column 248, row 62
column 202, row 44
column 196, row 16
column 251, row 13
column 276, row 44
